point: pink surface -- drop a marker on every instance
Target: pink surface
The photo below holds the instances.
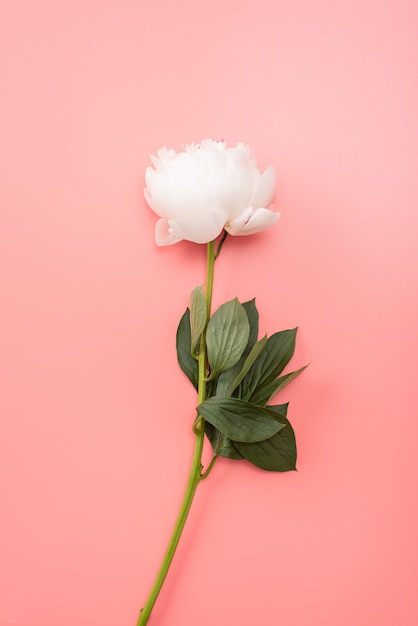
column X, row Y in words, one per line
column 95, row 414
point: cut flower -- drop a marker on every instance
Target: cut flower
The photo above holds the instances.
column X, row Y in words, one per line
column 208, row 188
column 198, row 194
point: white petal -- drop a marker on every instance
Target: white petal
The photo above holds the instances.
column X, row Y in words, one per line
column 150, row 176
column 264, row 193
column 164, row 235
column 186, row 188
column 231, row 189
column 235, row 225
column 199, row 228
column 148, row 197
column 258, row 221
column 210, row 144
column 240, row 155
column 155, row 160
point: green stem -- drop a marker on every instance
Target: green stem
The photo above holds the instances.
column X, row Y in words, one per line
column 206, row 473
column 195, row 475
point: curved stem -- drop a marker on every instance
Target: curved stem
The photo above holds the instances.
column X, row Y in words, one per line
column 206, row 473
column 220, row 244
column 192, row 484
column 195, row 475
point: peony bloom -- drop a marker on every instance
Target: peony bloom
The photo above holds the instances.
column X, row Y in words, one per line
column 207, row 188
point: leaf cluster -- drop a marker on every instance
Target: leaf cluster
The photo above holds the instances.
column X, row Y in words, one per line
column 243, row 375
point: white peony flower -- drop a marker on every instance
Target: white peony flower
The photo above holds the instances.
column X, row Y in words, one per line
column 207, row 188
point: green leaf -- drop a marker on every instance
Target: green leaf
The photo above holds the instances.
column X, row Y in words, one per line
column 252, row 314
column 198, row 316
column 271, row 362
column 230, row 379
column 266, row 393
column 183, row 344
column 276, row 454
column 238, row 420
column 226, row 336
column 221, row 444
column 279, row 408
column 225, row 379
column 255, row 352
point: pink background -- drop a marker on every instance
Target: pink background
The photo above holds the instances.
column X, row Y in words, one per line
column 96, row 415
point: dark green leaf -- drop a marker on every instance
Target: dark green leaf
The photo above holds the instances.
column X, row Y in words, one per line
column 280, row 409
column 276, row 454
column 226, row 336
column 183, row 343
column 252, row 314
column 221, row 444
column 271, row 362
column 266, row 393
column 255, row 352
column 230, row 379
column 225, row 379
column 211, row 388
column 198, row 316
column 238, row 420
